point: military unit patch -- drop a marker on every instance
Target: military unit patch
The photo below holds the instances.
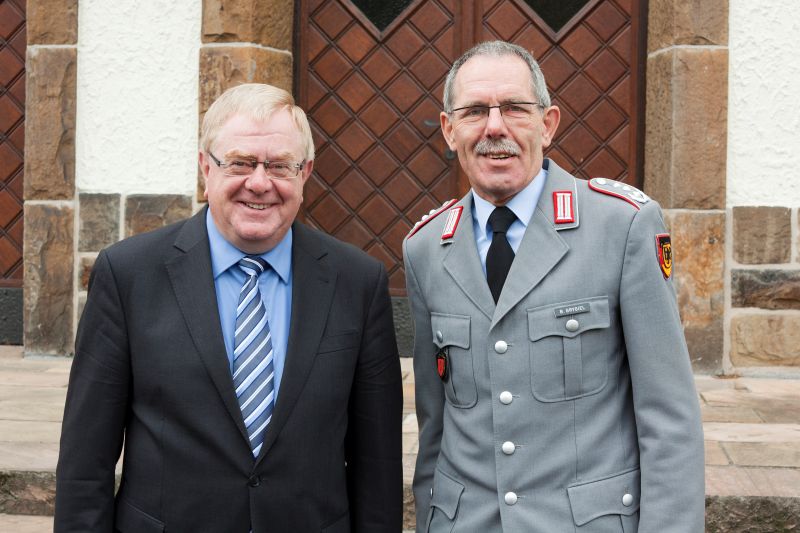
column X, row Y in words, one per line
column 664, row 251
column 632, row 195
column 441, row 364
column 563, row 207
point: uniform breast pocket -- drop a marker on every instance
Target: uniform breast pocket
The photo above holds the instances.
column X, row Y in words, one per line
column 451, row 335
column 569, row 341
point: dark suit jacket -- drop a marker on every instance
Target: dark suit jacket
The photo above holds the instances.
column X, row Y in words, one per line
column 150, row 368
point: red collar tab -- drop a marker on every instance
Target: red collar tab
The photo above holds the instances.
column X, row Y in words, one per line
column 563, row 207
column 430, row 216
column 450, row 226
column 630, row 194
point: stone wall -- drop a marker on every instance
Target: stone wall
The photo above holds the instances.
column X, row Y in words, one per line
column 685, row 159
column 765, row 287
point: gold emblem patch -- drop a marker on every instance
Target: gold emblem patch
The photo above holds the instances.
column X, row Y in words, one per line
column 664, row 251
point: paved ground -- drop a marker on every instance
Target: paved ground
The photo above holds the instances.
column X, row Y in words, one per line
column 752, row 430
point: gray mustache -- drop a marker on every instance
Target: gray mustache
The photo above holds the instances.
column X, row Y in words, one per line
column 493, row 146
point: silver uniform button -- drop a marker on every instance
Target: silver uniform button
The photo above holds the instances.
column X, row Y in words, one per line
column 508, row 447
column 572, row 325
column 506, row 397
column 439, row 336
column 627, row 500
column 501, row 347
column 510, row 498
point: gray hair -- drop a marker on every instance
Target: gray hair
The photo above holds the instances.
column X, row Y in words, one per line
column 497, row 49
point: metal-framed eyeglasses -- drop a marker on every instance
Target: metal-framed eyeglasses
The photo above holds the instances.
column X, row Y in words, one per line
column 240, row 166
column 478, row 114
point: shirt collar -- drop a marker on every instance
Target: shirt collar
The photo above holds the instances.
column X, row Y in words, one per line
column 224, row 255
column 522, row 204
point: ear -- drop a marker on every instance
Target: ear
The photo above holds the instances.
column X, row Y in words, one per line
column 551, row 118
column 306, row 172
column 447, row 130
column 205, row 165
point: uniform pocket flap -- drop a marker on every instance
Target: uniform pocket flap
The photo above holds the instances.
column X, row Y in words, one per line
column 450, row 330
column 446, row 494
column 618, row 494
column 130, row 518
column 568, row 319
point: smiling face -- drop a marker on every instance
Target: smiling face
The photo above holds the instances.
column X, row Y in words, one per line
column 499, row 155
column 254, row 212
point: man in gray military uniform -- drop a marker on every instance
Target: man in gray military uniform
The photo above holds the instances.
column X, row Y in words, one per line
column 553, row 386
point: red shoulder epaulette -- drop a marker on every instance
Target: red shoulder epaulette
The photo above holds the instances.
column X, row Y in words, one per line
column 617, row 189
column 430, row 216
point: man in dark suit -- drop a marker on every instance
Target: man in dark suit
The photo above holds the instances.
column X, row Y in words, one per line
column 247, row 362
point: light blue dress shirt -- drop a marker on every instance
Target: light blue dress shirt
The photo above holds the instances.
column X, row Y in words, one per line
column 523, row 204
column 275, row 285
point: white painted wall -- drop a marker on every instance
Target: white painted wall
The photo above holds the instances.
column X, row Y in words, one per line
column 764, row 103
column 138, row 69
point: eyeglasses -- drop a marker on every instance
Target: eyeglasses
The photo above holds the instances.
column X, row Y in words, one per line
column 279, row 170
column 515, row 111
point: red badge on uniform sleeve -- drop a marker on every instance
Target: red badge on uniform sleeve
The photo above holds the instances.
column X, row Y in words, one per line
column 441, row 364
column 664, row 251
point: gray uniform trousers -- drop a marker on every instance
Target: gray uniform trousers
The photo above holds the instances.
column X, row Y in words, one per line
column 570, row 405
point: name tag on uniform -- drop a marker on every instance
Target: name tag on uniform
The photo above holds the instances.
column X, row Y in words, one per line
column 574, row 309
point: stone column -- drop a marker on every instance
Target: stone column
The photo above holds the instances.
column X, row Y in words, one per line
column 685, row 158
column 244, row 41
column 49, row 194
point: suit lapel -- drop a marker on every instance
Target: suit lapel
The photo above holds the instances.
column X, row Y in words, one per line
column 312, row 293
column 193, row 283
column 461, row 261
column 541, row 248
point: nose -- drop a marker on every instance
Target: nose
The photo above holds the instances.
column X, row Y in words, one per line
column 259, row 182
column 495, row 124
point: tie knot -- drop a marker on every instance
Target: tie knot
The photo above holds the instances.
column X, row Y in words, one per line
column 252, row 265
column 501, row 219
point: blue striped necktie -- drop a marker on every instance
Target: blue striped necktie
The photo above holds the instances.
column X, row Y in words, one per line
column 253, row 370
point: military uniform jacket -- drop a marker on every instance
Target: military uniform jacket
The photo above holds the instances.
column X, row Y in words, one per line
column 570, row 405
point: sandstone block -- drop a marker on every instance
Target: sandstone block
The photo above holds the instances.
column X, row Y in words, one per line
column 52, row 21
column 222, row 67
column 686, row 128
column 50, row 124
column 99, row 221
column 48, row 260
column 767, row 289
column 85, row 272
column 761, row 235
column 146, row 212
column 682, row 22
column 698, row 244
column 765, row 340
column 265, row 22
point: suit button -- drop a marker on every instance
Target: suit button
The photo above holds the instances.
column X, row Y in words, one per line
column 506, row 397
column 508, row 447
column 627, row 500
column 439, row 336
column 510, row 498
column 501, row 347
column 254, row 481
column 572, row 325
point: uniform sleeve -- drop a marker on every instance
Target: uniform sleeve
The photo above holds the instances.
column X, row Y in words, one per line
column 666, row 408
column 95, row 410
column 374, row 435
column 429, row 395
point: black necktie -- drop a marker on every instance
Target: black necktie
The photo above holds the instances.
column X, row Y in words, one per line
column 500, row 256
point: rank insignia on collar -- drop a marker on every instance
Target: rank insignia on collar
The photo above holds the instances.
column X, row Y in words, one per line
column 433, row 213
column 664, row 251
column 453, row 216
column 442, row 364
column 563, row 207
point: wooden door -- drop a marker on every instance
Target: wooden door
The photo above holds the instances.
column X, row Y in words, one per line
column 371, row 79
column 12, row 138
